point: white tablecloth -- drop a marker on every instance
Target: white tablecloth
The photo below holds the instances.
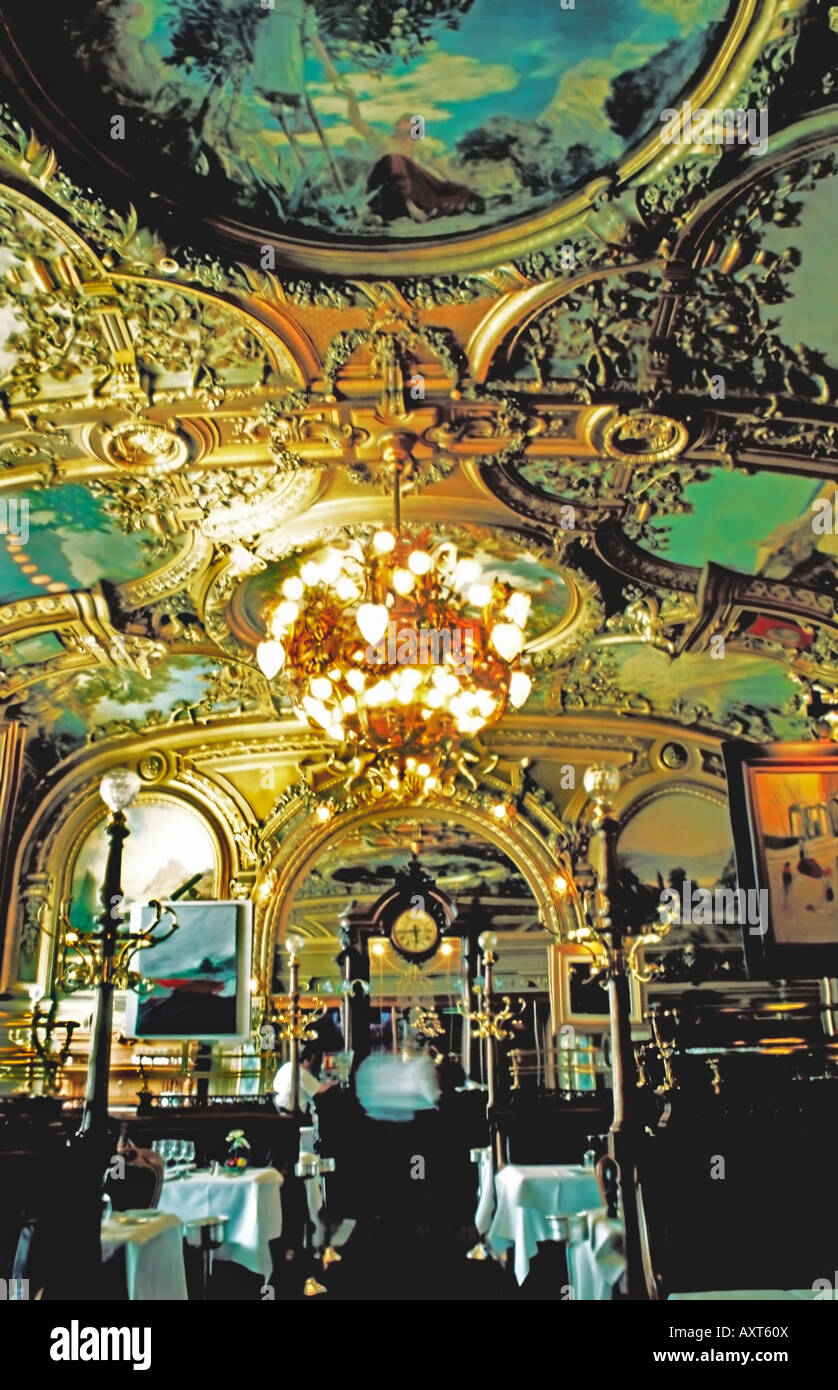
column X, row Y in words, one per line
column 250, row 1201
column 315, row 1195
column 485, row 1191
column 526, row 1195
column 598, row 1262
column 747, row 1296
column 153, row 1257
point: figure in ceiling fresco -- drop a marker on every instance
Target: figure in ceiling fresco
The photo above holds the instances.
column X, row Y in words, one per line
column 400, row 185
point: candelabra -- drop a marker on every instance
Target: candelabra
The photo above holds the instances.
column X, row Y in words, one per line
column 294, row 1023
column 103, row 960
column 39, row 1035
column 488, row 1024
column 615, row 944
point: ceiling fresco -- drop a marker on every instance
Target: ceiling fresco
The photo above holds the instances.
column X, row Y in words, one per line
column 605, row 365
column 304, row 111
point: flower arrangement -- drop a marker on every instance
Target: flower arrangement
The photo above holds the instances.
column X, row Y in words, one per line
column 238, row 1151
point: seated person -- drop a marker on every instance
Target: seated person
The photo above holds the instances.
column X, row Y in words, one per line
column 311, row 1057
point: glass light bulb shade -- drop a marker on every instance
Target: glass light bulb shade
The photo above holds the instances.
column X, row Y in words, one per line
column 488, row 941
column 346, row 589
column 479, row 595
column 271, row 658
column 35, row 993
column 119, row 787
column 331, row 566
column 293, row 587
column 383, row 693
column 320, row 687
column 294, row 944
column 518, row 609
column 383, row 542
column 420, row 562
column 507, row 640
column 316, row 710
column 601, row 780
column 287, row 613
column 310, row 573
column 372, row 620
column 520, row 686
column 355, row 679
column 403, row 581
column 467, row 572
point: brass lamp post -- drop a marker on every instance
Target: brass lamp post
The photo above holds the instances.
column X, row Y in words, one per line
column 488, row 1025
column 606, row 933
column 294, row 1023
column 102, row 960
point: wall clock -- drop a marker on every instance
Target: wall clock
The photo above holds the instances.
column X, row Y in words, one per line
column 414, row 914
column 415, row 934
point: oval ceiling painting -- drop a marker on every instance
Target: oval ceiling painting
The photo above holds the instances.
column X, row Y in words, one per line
column 341, row 123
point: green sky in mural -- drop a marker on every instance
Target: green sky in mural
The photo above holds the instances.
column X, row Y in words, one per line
column 71, row 541
column 808, row 315
column 732, row 516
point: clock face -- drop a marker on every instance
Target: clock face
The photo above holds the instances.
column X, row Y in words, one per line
column 415, row 933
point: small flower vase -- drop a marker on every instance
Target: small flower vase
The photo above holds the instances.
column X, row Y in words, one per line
column 238, row 1152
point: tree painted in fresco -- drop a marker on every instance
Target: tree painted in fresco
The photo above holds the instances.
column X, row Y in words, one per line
column 216, row 40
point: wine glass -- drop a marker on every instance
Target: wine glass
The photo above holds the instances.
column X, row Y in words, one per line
column 167, row 1150
column 189, row 1155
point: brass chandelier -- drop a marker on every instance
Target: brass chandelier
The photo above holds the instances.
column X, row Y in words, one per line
column 397, row 649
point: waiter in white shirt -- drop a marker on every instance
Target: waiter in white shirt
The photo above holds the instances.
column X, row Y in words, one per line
column 310, row 1085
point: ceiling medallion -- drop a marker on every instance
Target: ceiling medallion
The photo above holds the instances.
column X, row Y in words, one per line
column 398, row 651
column 641, row 436
column 144, row 447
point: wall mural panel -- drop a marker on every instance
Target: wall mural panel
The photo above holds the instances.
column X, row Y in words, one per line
column 679, row 838
column 168, row 845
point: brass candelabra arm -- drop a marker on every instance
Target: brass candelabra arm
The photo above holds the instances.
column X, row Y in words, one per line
column 665, row 1047
column 295, row 1024
column 515, row 1068
column 129, row 945
column 485, row 1022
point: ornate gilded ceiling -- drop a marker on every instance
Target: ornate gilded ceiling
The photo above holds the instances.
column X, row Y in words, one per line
column 592, row 375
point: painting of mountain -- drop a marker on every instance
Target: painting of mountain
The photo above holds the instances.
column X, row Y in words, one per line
column 168, row 845
column 198, row 977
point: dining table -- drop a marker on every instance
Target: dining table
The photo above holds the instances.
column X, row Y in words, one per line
column 249, row 1198
column 526, row 1195
column 152, row 1245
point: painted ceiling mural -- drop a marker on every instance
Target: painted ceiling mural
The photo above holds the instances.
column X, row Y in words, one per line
column 305, row 110
column 233, row 285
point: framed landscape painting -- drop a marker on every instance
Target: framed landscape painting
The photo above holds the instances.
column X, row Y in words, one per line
column 200, row 976
column 784, row 809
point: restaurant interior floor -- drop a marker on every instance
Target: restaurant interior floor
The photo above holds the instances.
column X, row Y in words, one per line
column 387, row 1261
